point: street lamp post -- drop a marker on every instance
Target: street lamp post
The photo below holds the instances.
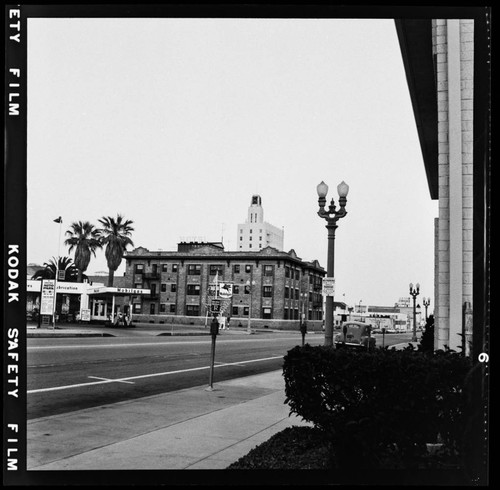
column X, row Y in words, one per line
column 250, row 285
column 331, row 215
column 414, row 292
column 426, row 302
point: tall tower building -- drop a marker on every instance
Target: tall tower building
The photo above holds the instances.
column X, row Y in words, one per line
column 256, row 234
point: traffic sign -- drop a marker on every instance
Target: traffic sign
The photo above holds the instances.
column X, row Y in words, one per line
column 328, row 286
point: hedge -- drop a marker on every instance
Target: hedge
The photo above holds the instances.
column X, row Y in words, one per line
column 379, row 404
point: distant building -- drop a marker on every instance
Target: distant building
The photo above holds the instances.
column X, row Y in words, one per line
column 256, row 234
column 283, row 286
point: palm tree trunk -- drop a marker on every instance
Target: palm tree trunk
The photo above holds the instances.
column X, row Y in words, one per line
column 111, row 277
column 80, row 275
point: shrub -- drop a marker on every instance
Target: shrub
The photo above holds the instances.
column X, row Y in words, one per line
column 292, row 448
column 378, row 403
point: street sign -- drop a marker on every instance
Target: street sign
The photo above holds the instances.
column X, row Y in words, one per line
column 328, row 286
column 85, row 315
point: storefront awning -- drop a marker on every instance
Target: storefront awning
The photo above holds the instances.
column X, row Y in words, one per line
column 105, row 290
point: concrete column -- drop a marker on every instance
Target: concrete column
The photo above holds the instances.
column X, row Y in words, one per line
column 455, row 183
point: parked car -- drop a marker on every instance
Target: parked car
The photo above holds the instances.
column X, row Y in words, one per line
column 355, row 335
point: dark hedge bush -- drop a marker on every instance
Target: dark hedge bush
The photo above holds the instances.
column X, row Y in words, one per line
column 296, row 447
column 379, row 404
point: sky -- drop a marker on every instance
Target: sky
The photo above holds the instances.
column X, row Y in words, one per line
column 176, row 123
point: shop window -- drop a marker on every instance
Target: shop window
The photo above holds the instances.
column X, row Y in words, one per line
column 152, row 308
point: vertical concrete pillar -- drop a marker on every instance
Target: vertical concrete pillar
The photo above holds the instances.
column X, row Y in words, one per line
column 455, row 183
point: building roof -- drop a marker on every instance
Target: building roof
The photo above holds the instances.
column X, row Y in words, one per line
column 214, row 253
column 415, row 40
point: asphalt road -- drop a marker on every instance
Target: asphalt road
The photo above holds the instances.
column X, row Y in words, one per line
column 67, row 374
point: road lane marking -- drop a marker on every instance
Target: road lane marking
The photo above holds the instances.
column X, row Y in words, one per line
column 152, row 343
column 107, row 381
column 113, row 380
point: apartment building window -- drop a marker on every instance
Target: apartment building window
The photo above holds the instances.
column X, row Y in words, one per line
column 137, row 285
column 163, row 287
column 266, row 313
column 193, row 310
column 136, row 308
column 236, row 268
column 173, row 288
column 139, row 268
column 248, row 268
column 287, row 271
column 247, row 289
column 174, row 267
column 268, row 270
column 214, row 269
column 163, row 308
column 297, row 274
column 297, row 294
column 235, row 311
column 193, row 290
column 285, row 313
column 287, row 292
column 245, row 310
column 236, row 289
column 194, row 269
column 267, row 291
column 164, row 267
column 172, row 308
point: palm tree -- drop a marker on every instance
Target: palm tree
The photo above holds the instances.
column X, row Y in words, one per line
column 115, row 234
column 84, row 238
column 60, row 264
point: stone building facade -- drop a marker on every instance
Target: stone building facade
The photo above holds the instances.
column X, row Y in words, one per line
column 439, row 58
column 275, row 288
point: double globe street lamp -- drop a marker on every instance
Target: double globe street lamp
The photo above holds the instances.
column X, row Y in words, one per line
column 331, row 215
column 414, row 292
column 426, row 302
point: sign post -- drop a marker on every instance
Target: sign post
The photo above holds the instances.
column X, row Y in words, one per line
column 47, row 297
column 214, row 331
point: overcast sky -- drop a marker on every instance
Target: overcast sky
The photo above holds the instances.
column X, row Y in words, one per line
column 175, row 123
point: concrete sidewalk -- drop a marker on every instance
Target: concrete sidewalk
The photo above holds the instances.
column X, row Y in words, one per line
column 193, row 428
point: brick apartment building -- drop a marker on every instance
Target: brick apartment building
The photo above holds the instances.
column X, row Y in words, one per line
column 273, row 286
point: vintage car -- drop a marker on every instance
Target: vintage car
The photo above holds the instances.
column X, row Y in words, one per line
column 356, row 335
